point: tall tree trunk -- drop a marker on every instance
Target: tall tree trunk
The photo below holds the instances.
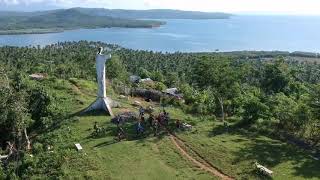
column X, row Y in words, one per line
column 222, row 108
column 28, row 146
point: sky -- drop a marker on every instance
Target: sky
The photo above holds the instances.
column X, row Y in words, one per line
column 295, row 7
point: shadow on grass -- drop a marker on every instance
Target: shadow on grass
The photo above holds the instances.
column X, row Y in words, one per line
column 90, row 113
column 221, row 129
column 268, row 152
column 107, row 143
column 131, row 135
column 62, row 119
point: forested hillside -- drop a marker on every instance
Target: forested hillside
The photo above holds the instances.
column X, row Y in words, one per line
column 130, row 14
column 274, row 96
column 75, row 18
column 60, row 20
column 154, row 13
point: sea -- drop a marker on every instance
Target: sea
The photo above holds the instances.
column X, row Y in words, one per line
column 239, row 33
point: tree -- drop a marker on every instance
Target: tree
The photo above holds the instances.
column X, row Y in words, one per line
column 160, row 86
column 276, row 77
column 39, row 102
column 172, row 79
column 283, row 109
column 219, row 77
column 314, row 102
column 157, row 76
column 2, row 173
column 253, row 109
column 18, row 114
column 115, row 69
column 143, row 73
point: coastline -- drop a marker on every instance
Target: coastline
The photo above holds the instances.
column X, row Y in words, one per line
column 30, row 31
column 48, row 31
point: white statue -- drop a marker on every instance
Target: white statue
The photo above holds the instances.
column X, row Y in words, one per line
column 102, row 102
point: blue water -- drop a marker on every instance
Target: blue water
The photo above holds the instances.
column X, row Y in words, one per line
column 287, row 33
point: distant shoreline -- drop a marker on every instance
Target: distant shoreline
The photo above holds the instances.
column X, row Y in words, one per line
column 49, row 31
column 30, row 31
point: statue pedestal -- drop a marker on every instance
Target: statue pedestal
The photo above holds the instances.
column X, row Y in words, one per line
column 101, row 104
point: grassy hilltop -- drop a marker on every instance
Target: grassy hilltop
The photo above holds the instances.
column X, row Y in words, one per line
column 268, row 100
column 155, row 157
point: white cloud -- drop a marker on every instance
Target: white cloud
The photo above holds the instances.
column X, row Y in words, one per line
column 269, row 6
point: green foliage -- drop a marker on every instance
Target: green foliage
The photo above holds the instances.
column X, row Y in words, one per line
column 291, row 114
column 39, row 105
column 188, row 93
column 314, row 100
column 160, row 86
column 66, row 19
column 200, row 101
column 217, row 75
column 143, row 73
column 172, row 79
column 253, row 109
column 115, row 69
column 276, row 77
column 268, row 96
column 37, row 148
column 157, row 76
column 2, row 173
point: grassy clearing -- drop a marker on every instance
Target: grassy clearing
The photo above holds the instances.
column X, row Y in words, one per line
column 155, row 157
column 235, row 153
column 103, row 157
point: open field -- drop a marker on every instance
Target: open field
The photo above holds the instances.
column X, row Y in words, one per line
column 150, row 157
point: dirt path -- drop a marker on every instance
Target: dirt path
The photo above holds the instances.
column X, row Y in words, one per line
column 203, row 165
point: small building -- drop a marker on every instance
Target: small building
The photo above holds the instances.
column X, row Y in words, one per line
column 134, row 79
column 146, row 80
column 38, row 76
column 173, row 92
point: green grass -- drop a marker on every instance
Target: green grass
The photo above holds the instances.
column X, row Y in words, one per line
column 103, row 157
column 149, row 158
column 236, row 151
column 156, row 157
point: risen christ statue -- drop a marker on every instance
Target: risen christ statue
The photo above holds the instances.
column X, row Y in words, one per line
column 101, row 60
column 102, row 102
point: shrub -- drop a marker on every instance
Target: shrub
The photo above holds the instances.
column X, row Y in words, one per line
column 160, row 86
column 38, row 148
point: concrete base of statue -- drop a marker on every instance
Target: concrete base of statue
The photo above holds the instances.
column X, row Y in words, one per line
column 103, row 104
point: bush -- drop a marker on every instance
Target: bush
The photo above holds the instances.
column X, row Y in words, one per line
column 115, row 69
column 253, row 109
column 2, row 174
column 160, row 86
column 37, row 148
column 157, row 76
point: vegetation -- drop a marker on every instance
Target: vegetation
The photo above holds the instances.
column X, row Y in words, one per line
column 154, row 14
column 75, row 18
column 55, row 21
column 243, row 110
column 130, row 14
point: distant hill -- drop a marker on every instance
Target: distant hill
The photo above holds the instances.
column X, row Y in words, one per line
column 153, row 13
column 74, row 18
column 130, row 14
column 59, row 20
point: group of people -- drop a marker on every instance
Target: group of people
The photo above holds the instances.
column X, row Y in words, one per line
column 153, row 122
column 162, row 120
